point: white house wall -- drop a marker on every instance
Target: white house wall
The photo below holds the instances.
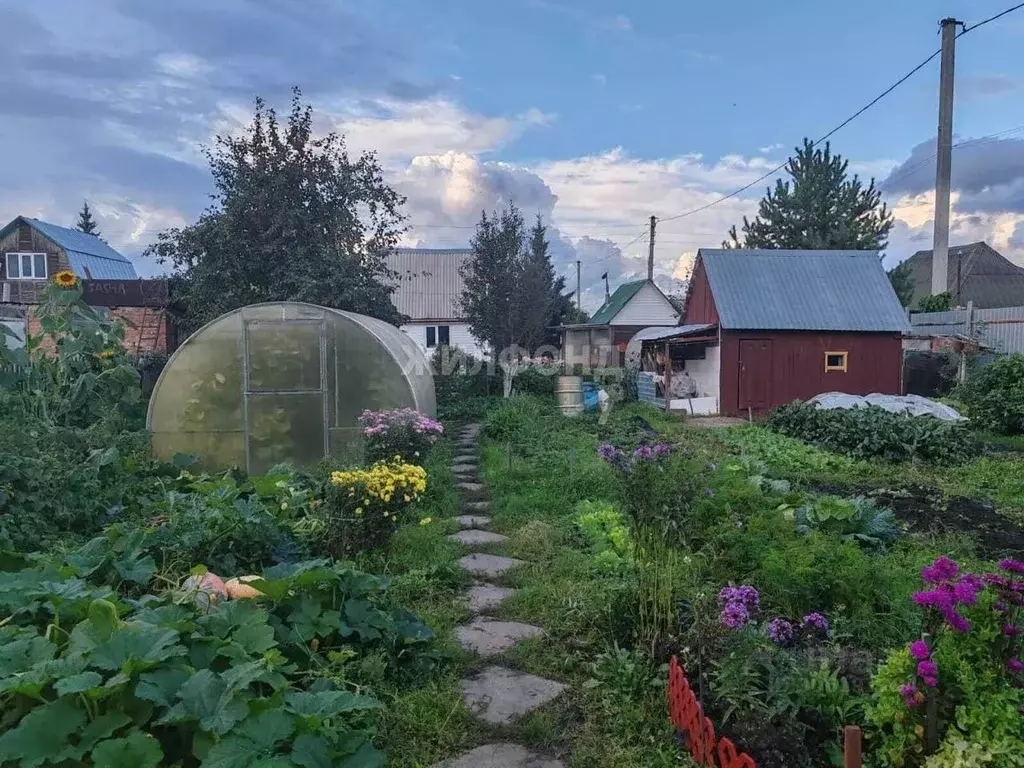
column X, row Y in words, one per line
column 647, row 307
column 707, row 373
column 459, row 337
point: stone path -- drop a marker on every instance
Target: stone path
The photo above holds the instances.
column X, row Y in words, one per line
column 496, row 695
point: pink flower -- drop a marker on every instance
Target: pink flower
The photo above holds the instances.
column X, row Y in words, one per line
column 1016, row 666
column 927, row 669
column 941, row 570
column 1011, row 565
column 919, row 650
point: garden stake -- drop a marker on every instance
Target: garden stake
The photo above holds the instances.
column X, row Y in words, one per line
column 851, row 747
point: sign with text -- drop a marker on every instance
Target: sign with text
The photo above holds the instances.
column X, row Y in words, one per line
column 124, row 293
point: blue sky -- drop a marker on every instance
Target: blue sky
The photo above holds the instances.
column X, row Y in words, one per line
column 595, row 114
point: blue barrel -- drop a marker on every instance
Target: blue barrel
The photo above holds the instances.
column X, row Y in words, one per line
column 590, row 398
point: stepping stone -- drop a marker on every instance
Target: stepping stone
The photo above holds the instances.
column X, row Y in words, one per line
column 456, row 468
column 500, row 756
column 470, row 429
column 473, row 537
column 465, row 458
column 480, row 564
column 472, row 521
column 471, row 488
column 488, row 637
column 486, row 597
column 499, row 696
column 477, row 506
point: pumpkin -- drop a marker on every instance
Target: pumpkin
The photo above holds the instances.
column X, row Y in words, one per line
column 238, row 589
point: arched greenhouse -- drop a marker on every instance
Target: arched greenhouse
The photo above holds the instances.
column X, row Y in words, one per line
column 285, row 381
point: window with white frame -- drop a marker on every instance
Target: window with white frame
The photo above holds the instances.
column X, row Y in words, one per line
column 26, row 266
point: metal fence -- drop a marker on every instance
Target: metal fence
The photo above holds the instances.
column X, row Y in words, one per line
column 1001, row 329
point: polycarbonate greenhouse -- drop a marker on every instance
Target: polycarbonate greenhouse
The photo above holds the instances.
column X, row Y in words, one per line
column 271, row 383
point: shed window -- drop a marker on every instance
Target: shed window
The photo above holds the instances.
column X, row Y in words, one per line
column 835, row 361
column 438, row 334
column 431, row 336
column 26, row 266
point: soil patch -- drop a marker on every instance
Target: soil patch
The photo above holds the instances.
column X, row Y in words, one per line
column 924, row 510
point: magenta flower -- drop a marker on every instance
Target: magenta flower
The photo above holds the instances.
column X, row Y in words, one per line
column 941, row 570
column 1016, row 666
column 607, row 451
column 1011, row 565
column 1011, row 630
column 927, row 669
column 919, row 650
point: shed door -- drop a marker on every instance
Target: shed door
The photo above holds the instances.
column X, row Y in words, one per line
column 755, row 374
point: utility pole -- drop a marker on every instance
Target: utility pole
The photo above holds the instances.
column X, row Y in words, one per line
column 650, row 250
column 579, row 301
column 944, row 157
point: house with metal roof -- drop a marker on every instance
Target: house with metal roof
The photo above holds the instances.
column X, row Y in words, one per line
column 602, row 340
column 976, row 273
column 33, row 251
column 765, row 327
column 428, row 291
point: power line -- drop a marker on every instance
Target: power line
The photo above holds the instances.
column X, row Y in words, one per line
column 967, row 29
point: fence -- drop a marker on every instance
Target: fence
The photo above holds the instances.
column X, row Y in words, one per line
column 1001, row 329
column 698, row 731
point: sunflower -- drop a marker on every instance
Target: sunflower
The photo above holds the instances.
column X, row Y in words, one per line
column 66, row 279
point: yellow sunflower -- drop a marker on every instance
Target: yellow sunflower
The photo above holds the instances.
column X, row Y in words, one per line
column 66, row 279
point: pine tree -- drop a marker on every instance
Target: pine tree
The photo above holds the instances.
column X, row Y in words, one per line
column 86, row 223
column 902, row 280
column 819, row 208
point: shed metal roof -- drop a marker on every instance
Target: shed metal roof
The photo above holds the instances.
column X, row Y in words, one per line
column 429, row 283
column 616, row 302
column 665, row 333
column 802, row 290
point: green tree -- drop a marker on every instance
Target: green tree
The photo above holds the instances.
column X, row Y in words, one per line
column 902, row 279
column 936, row 302
column 819, row 207
column 509, row 290
column 293, row 218
column 86, row 223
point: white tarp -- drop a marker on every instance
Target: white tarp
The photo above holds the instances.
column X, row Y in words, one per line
column 912, row 405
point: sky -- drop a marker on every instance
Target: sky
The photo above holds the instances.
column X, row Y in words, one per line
column 595, row 114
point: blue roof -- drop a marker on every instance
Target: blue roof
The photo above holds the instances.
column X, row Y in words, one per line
column 802, row 290
column 90, row 258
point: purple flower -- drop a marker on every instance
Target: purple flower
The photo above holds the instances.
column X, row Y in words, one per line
column 931, row 682
column 709, row 492
column 919, row 650
column 965, row 593
column 734, row 616
column 643, row 452
column 958, row 622
column 661, row 449
column 908, row 690
column 815, row 622
column 1011, row 565
column 927, row 669
column 1016, row 666
column 781, row 631
column 744, row 594
column 607, row 451
column 1011, row 630
column 941, row 570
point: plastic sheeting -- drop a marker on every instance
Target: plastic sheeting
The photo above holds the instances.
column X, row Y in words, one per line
column 283, row 382
column 912, row 405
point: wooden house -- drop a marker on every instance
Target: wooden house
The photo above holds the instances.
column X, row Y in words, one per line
column 33, row 251
column 762, row 328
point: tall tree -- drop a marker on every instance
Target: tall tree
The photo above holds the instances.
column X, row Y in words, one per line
column 902, row 280
column 819, row 207
column 86, row 223
column 509, row 289
column 293, row 218
column 544, row 290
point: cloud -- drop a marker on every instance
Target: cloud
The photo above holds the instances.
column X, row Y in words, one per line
column 767, row 150
column 987, row 86
column 600, row 79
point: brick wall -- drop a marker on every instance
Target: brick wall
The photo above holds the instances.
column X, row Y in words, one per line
column 149, row 334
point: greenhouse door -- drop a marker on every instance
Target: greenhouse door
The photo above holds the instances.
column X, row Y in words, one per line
column 285, row 384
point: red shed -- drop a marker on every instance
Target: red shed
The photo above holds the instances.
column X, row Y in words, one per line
column 789, row 325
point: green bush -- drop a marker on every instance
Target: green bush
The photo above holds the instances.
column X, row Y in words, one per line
column 874, row 433
column 860, row 520
column 994, row 395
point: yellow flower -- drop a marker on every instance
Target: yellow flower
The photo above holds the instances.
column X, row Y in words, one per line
column 359, row 511
column 407, row 499
column 106, row 354
column 426, row 521
column 65, row 279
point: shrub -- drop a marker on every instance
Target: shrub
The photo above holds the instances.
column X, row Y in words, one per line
column 874, row 433
column 400, row 433
column 365, row 506
column 994, row 395
column 533, row 380
column 964, row 674
column 605, row 531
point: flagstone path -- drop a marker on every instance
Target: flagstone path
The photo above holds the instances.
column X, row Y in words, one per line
column 496, row 695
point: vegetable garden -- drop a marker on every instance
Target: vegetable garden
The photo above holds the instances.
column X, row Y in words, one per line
column 810, row 573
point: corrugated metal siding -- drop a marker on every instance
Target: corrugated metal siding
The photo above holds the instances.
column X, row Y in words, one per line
column 802, row 290
column 429, row 282
column 1002, row 329
column 90, row 267
column 795, row 367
